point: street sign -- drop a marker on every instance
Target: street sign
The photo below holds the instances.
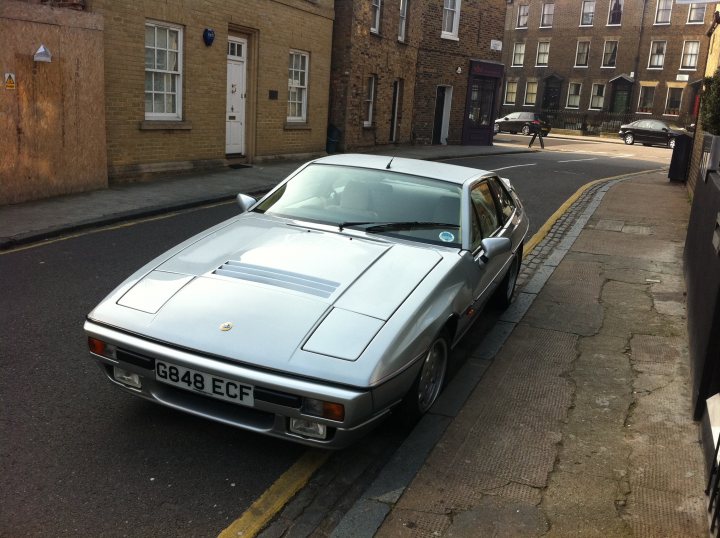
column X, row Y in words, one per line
column 10, row 81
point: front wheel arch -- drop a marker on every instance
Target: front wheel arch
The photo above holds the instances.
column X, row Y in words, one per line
column 430, row 380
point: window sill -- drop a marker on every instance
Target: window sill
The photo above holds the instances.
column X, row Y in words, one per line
column 580, row 66
column 368, row 127
column 450, row 37
column 607, row 67
column 518, row 65
column 536, row 65
column 521, row 27
column 297, row 126
column 165, row 125
column 661, row 24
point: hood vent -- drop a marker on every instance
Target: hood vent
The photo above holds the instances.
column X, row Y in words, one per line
column 277, row 277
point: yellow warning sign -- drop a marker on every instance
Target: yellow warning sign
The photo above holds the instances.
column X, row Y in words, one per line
column 10, row 81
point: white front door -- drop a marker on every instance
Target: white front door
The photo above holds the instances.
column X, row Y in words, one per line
column 236, row 95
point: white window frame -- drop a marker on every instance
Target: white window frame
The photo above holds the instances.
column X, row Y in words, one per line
column 453, row 32
column 667, row 7
column 622, row 12
column 548, row 11
column 375, row 8
column 667, row 99
column 296, row 83
column 583, row 11
column 695, row 6
column 521, row 8
column 602, row 62
column 587, row 54
column 403, row 20
column 684, row 54
column 650, row 58
column 577, row 95
column 515, row 53
column 507, row 92
column 525, row 98
column 537, row 55
column 640, row 99
column 176, row 74
column 594, row 95
column 369, row 101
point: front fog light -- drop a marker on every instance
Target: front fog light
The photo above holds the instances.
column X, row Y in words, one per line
column 126, row 378
column 308, row 428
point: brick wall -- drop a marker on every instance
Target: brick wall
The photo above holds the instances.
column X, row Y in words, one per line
column 358, row 54
column 438, row 60
column 273, row 28
column 423, row 61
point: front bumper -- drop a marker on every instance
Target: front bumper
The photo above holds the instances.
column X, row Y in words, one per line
column 277, row 399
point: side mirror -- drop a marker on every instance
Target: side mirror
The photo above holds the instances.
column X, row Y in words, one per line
column 245, row 202
column 495, row 246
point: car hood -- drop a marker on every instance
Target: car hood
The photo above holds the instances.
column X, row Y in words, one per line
column 266, row 292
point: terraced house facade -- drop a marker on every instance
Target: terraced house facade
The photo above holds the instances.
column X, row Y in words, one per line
column 192, row 85
column 415, row 71
column 592, row 64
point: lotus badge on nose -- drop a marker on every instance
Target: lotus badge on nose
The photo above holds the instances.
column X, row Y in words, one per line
column 226, row 326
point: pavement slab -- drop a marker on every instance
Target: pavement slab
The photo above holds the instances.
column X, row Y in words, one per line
column 580, row 426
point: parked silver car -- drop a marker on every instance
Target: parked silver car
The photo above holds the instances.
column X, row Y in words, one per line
column 323, row 306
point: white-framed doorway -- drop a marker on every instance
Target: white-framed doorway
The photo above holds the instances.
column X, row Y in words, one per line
column 236, row 96
column 441, row 122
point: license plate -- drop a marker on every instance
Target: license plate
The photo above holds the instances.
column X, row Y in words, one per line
column 211, row 385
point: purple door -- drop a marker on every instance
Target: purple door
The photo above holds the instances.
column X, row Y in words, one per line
column 480, row 108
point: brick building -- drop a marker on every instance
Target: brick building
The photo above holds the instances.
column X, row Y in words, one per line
column 401, row 71
column 188, row 86
column 459, row 71
column 592, row 64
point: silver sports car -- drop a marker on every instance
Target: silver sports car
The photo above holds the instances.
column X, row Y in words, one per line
column 323, row 306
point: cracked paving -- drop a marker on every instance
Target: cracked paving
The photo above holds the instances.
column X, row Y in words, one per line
column 581, row 426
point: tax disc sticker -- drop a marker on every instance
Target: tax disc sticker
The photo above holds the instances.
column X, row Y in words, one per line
column 446, row 237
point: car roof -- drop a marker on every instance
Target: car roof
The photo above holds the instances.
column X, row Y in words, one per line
column 429, row 169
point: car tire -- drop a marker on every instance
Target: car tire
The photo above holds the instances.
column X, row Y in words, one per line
column 629, row 139
column 671, row 143
column 429, row 382
column 525, row 130
column 503, row 295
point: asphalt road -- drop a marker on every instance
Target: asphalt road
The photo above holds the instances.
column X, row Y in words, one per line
column 80, row 458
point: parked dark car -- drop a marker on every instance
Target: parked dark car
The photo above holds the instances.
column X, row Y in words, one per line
column 521, row 122
column 649, row 132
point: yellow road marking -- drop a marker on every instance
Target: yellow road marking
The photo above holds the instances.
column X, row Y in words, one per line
column 549, row 223
column 111, row 227
column 276, row 496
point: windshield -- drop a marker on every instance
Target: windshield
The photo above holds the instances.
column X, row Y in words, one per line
column 376, row 201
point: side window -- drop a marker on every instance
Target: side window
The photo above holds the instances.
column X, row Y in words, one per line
column 485, row 216
column 505, row 201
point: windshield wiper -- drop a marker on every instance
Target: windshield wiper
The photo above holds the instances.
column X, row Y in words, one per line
column 402, row 225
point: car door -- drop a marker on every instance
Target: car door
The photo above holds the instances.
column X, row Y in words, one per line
column 659, row 133
column 511, row 123
column 487, row 221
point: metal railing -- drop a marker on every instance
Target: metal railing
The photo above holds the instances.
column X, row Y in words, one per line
column 595, row 122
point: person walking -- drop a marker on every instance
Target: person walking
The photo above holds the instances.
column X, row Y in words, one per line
column 536, row 129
